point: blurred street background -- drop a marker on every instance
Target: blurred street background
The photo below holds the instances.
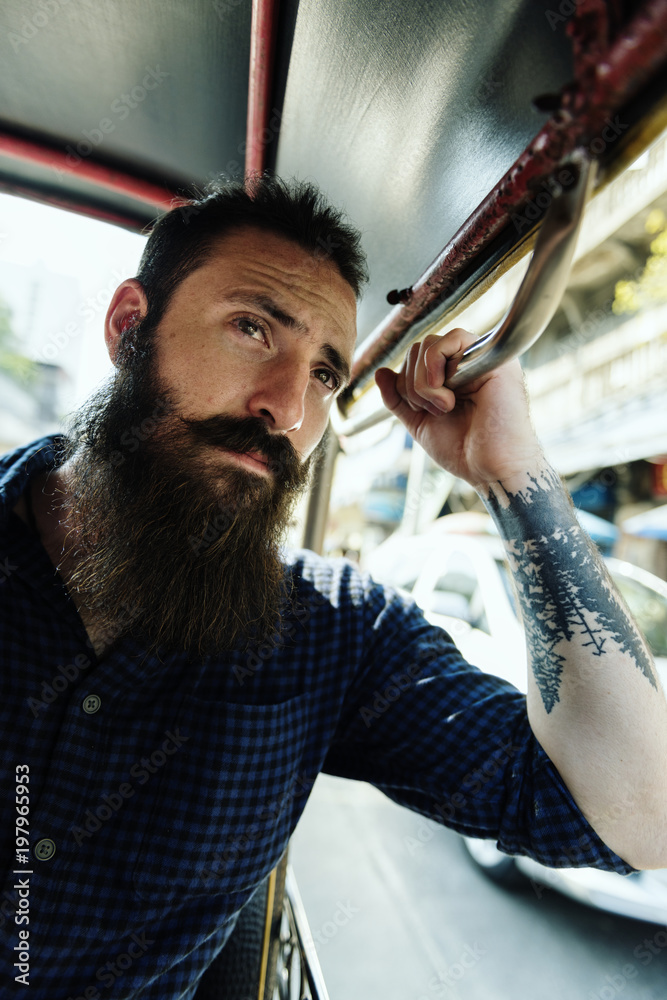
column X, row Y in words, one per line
column 398, row 911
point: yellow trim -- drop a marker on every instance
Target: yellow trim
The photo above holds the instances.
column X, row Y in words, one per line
column 270, row 895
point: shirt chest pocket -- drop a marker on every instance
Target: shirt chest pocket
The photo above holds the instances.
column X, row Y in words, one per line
column 226, row 802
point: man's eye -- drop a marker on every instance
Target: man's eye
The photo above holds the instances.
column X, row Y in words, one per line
column 250, row 327
column 327, row 378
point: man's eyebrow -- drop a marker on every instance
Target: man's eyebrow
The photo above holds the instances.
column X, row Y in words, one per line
column 265, row 302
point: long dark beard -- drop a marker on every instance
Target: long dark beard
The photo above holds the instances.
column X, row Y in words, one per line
column 169, row 543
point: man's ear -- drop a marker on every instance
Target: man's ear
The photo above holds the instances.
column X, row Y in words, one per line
column 127, row 308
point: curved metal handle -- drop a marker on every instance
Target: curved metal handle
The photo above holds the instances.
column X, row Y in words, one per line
column 543, row 284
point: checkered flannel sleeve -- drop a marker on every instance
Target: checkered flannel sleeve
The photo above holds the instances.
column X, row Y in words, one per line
column 454, row 744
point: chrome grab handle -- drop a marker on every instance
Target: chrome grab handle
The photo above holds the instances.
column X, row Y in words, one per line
column 543, row 285
column 535, row 302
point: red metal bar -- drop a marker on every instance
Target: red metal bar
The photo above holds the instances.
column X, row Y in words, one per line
column 80, row 207
column 262, row 45
column 584, row 114
column 71, row 164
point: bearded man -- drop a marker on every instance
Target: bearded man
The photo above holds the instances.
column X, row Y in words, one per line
column 173, row 679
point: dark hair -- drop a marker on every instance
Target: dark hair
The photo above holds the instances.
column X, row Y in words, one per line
column 184, row 238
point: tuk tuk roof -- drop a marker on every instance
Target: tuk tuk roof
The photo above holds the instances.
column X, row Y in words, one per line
column 406, row 115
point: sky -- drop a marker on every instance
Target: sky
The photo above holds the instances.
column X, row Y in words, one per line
column 58, row 271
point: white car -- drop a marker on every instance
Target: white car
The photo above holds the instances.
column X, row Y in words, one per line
column 462, row 583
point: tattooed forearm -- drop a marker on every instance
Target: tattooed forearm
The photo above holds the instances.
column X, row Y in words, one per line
column 564, row 591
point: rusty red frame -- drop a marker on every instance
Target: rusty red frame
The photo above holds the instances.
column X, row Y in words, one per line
column 262, row 46
column 605, row 80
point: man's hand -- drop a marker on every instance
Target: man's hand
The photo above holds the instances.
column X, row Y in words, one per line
column 483, row 432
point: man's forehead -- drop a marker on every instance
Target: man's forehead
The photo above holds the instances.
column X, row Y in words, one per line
column 267, row 250
column 271, row 269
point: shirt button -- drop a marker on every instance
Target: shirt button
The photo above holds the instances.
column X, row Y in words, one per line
column 44, row 849
column 91, row 704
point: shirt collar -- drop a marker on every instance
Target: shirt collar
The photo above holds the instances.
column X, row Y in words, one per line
column 19, row 466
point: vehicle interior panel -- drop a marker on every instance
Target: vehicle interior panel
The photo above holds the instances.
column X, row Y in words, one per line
column 380, row 102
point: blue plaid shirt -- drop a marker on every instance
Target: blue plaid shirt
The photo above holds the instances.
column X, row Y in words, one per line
column 162, row 793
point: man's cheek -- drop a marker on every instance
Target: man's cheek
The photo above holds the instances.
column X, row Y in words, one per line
column 318, row 442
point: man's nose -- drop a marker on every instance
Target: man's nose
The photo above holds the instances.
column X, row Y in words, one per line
column 279, row 398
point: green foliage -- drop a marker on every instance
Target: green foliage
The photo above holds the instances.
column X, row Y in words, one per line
column 651, row 286
column 12, row 363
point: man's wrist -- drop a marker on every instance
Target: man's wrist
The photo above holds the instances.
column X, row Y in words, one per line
column 516, row 477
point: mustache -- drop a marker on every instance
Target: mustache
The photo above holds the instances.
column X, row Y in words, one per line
column 243, row 434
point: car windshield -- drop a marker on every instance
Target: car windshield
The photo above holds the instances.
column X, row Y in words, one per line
column 650, row 610
column 456, row 592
